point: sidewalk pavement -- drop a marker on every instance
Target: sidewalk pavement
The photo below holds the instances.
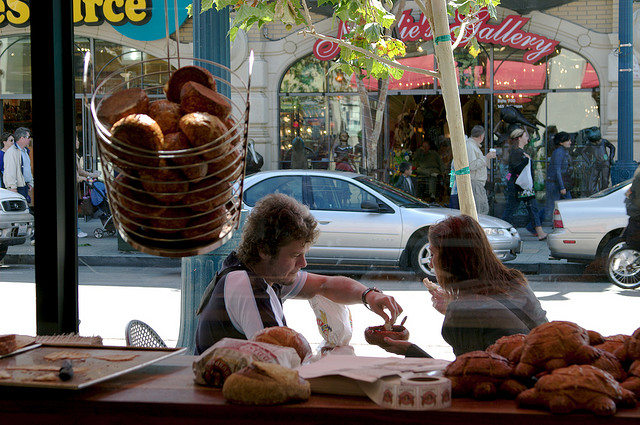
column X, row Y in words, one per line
column 534, row 258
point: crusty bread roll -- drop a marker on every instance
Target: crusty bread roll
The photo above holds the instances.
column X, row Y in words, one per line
column 172, row 220
column 194, row 168
column 207, row 194
column 139, row 131
column 195, row 97
column 185, row 74
column 8, row 344
column 123, row 103
column 265, row 384
column 285, row 337
column 202, row 129
column 164, row 184
column 208, row 227
column 166, row 114
column 226, row 165
column 130, row 195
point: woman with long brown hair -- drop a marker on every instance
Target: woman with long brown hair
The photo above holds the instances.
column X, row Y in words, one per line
column 481, row 299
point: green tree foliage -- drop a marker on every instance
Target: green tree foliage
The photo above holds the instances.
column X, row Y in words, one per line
column 367, row 48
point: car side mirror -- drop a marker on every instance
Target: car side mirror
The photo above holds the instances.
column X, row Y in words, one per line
column 369, row 205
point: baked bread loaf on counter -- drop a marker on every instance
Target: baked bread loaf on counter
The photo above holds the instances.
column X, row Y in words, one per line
column 8, row 344
column 285, row 337
column 264, row 384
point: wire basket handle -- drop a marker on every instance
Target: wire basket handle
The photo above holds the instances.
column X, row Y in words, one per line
column 246, row 124
column 167, row 35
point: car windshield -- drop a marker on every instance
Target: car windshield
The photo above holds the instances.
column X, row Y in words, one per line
column 611, row 189
column 397, row 196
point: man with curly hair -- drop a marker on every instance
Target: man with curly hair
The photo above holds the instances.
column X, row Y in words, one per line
column 247, row 295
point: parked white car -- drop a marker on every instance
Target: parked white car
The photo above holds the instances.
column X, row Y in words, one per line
column 365, row 223
column 16, row 223
column 588, row 229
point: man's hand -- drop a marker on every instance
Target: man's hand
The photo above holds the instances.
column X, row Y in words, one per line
column 563, row 191
column 378, row 302
column 491, row 155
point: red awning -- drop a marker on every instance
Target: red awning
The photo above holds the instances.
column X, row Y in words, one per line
column 512, row 75
column 590, row 78
column 409, row 80
column 508, row 75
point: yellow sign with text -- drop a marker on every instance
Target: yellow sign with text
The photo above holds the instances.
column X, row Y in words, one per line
column 85, row 12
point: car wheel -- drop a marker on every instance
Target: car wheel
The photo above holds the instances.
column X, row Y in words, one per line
column 421, row 259
column 98, row 233
column 612, row 246
column 623, row 267
column 3, row 251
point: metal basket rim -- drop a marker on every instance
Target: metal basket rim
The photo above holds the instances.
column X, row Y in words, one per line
column 159, row 245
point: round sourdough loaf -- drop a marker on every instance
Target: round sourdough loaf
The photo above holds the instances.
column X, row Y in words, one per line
column 285, row 337
column 264, row 384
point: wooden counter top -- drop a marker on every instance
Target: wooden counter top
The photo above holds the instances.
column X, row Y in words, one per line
column 165, row 393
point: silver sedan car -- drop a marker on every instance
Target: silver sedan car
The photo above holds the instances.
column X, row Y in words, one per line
column 16, row 222
column 588, row 229
column 368, row 224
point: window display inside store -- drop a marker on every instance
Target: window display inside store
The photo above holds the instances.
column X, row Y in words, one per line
column 319, row 121
column 343, row 153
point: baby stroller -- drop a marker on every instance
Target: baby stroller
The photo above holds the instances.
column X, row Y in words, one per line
column 99, row 200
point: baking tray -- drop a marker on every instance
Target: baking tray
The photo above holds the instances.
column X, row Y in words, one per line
column 32, row 369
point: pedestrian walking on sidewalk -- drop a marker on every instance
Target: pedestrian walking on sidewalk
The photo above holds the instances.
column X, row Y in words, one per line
column 478, row 164
column 559, row 182
column 518, row 162
column 7, row 142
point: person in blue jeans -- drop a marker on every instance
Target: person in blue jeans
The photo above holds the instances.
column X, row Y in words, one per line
column 518, row 160
column 559, row 173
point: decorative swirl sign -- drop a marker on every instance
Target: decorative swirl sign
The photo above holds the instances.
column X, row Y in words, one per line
column 505, row 33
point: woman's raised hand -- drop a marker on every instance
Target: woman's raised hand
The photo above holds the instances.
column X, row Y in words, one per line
column 439, row 298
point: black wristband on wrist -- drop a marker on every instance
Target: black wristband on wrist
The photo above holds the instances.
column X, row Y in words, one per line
column 364, row 295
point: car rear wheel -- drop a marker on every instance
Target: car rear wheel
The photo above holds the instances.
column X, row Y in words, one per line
column 612, row 246
column 623, row 267
column 421, row 259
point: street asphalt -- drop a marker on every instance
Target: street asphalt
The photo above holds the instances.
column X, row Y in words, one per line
column 108, row 250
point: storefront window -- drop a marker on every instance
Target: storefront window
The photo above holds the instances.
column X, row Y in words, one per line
column 317, row 121
column 472, row 72
column 16, row 113
column 81, row 47
column 15, row 64
column 16, row 104
column 339, row 82
column 568, row 71
column 308, row 75
column 413, row 80
column 573, row 108
column 513, row 74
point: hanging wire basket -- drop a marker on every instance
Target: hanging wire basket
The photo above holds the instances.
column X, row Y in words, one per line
column 175, row 193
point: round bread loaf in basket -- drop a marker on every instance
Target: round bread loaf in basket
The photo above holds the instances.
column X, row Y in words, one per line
column 173, row 149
